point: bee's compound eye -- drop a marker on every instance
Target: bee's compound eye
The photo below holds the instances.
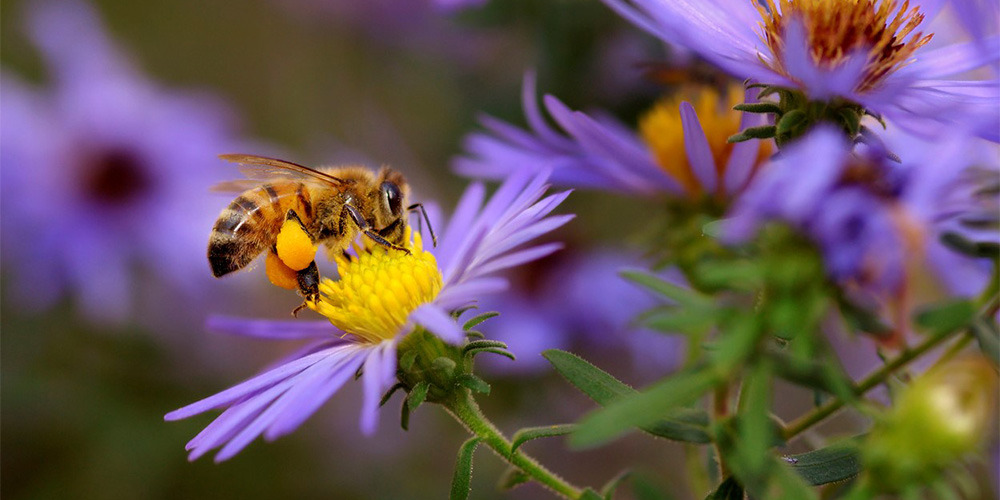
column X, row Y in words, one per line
column 392, row 198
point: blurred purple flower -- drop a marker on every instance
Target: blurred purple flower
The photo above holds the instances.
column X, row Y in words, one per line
column 807, row 46
column 104, row 173
column 675, row 155
column 479, row 241
column 869, row 215
column 581, row 302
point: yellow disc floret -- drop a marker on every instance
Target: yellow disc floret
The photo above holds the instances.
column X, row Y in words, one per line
column 378, row 289
column 295, row 248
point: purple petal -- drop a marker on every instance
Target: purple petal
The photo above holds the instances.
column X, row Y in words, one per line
column 271, row 329
column 438, row 322
column 699, row 153
column 380, row 362
column 520, row 257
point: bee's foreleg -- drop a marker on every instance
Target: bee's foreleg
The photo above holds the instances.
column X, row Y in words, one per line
column 308, row 281
column 367, row 228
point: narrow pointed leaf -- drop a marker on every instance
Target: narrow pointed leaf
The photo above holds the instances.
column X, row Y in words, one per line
column 502, row 352
column 988, row 337
column 679, row 424
column 837, row 462
column 608, row 490
column 589, row 494
column 528, row 433
column 679, row 294
column 461, row 481
column 946, row 317
column 643, row 409
column 758, row 107
column 476, row 344
column 730, row 489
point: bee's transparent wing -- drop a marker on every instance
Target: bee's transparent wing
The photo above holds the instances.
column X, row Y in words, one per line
column 262, row 168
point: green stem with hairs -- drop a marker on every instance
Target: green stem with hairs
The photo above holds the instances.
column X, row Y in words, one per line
column 464, row 408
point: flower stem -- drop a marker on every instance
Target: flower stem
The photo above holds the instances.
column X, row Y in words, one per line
column 868, row 383
column 464, row 408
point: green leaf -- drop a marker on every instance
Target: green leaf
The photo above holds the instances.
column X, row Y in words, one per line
column 417, row 394
column 946, row 317
column 589, row 494
column 988, row 336
column 643, row 409
column 730, row 489
column 679, row 424
column 528, row 433
column 482, row 344
column 677, row 293
column 608, row 490
column 461, row 481
column 511, row 478
column 476, row 320
column 791, row 121
column 692, row 321
column 474, row 383
column 837, row 462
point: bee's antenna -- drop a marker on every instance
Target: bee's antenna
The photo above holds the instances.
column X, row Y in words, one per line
column 419, row 206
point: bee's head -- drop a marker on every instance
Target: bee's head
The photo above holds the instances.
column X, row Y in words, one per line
column 392, row 193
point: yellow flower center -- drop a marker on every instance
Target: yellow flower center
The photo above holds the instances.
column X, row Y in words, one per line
column 663, row 132
column 838, row 28
column 378, row 289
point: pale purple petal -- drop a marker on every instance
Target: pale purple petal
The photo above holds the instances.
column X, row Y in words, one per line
column 699, row 154
column 437, row 321
column 520, row 257
column 271, row 329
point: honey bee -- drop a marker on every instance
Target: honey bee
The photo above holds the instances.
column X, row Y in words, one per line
column 331, row 205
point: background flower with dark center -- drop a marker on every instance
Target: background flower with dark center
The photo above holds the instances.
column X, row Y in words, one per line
column 104, row 172
column 868, row 52
column 380, row 296
column 870, row 216
column 679, row 149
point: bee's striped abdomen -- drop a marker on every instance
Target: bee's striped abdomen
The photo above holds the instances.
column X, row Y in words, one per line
column 249, row 225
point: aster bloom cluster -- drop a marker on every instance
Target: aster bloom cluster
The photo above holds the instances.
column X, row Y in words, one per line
column 99, row 165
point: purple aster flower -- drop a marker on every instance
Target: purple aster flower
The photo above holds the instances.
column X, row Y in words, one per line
column 103, row 171
column 869, row 52
column 380, row 296
column 868, row 214
column 680, row 149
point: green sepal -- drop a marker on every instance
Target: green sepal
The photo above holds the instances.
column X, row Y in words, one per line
column 482, row 344
column 679, row 424
column 837, row 462
column 388, row 394
column 511, row 478
column 529, row 433
column 988, row 336
column 475, row 321
column 608, row 490
column 492, row 350
column 461, row 482
column 962, row 245
column 444, row 367
column 982, row 222
column 730, row 489
column 761, row 132
column 945, row 317
column 406, row 359
column 791, row 124
column 758, row 107
column 417, row 395
column 850, row 119
column 404, row 417
column 473, row 383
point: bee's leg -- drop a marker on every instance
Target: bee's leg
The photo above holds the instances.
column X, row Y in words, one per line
column 420, row 207
column 308, row 280
column 367, row 229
